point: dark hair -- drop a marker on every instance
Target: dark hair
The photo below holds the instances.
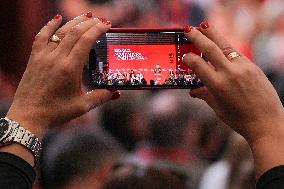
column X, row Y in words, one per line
column 116, row 118
column 144, row 178
column 73, row 154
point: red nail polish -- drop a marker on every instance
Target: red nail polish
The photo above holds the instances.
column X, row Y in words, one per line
column 115, row 95
column 89, row 14
column 204, row 25
column 105, row 21
column 187, row 29
column 108, row 22
column 57, row 16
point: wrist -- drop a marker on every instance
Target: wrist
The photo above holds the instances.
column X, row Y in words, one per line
column 18, row 140
column 267, row 145
column 19, row 151
column 29, row 123
column 268, row 153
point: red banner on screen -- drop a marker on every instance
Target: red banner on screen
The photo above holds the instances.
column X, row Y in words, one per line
column 154, row 62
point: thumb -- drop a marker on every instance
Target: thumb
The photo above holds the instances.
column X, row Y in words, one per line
column 98, row 97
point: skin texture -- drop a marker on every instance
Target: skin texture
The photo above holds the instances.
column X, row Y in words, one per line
column 241, row 95
column 50, row 92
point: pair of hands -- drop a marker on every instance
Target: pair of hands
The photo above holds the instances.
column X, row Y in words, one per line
column 50, row 92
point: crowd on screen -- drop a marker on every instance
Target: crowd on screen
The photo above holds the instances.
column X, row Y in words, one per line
column 134, row 78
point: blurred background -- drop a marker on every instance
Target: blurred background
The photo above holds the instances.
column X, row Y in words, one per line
column 164, row 129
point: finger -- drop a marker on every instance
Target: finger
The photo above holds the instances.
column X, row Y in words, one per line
column 81, row 49
column 64, row 29
column 204, row 94
column 46, row 32
column 61, row 32
column 203, row 71
column 211, row 33
column 207, row 47
column 98, row 97
column 194, row 93
column 73, row 35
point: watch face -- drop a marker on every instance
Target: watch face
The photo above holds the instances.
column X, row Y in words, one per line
column 4, row 126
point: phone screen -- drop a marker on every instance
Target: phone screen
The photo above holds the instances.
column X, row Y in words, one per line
column 142, row 60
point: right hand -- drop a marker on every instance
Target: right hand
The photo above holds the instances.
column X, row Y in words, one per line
column 237, row 90
column 50, row 92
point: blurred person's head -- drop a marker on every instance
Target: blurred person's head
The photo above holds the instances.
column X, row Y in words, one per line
column 213, row 138
column 167, row 118
column 120, row 118
column 135, row 177
column 271, row 10
column 269, row 42
column 275, row 45
column 170, row 122
column 174, row 120
column 77, row 158
column 269, row 35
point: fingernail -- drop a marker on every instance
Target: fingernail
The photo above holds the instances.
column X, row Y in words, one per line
column 57, row 16
column 89, row 14
column 105, row 21
column 204, row 25
column 115, row 95
column 187, row 29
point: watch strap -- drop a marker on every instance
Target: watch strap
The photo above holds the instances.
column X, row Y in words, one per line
column 20, row 135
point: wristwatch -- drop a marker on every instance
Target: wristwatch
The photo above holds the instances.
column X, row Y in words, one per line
column 12, row 132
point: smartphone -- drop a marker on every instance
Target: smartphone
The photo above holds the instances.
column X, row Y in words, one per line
column 142, row 59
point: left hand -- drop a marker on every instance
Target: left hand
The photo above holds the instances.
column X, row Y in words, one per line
column 50, row 92
column 236, row 89
column 240, row 94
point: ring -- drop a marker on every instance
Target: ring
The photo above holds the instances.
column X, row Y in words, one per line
column 233, row 55
column 54, row 38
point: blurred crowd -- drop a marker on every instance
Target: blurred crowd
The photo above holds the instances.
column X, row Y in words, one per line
column 161, row 138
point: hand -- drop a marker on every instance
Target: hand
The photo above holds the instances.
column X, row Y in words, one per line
column 50, row 92
column 237, row 90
